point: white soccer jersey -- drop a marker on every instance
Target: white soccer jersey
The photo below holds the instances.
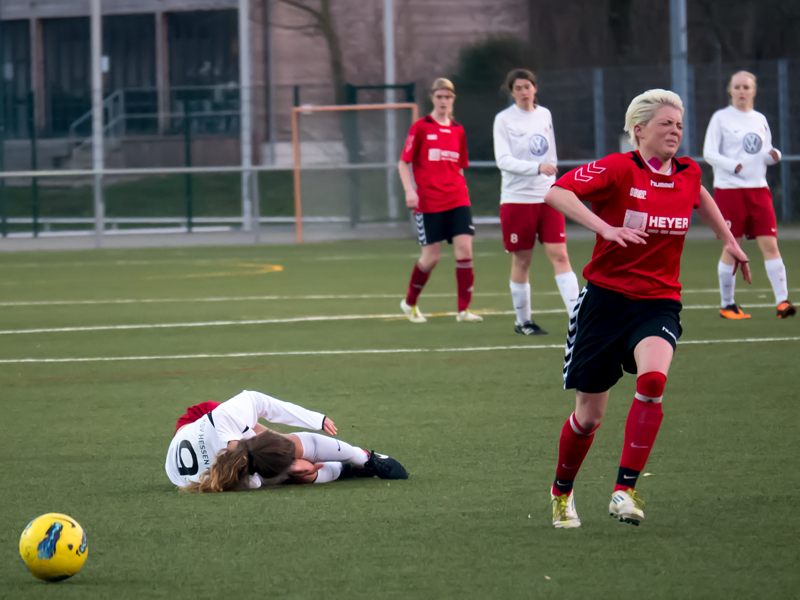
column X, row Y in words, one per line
column 194, row 448
column 522, row 141
column 737, row 138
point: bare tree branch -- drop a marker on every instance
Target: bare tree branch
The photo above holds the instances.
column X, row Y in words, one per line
column 295, row 4
column 311, row 27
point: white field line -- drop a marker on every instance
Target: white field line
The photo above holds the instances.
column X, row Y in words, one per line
column 345, row 352
column 248, row 298
column 391, row 316
column 314, row 297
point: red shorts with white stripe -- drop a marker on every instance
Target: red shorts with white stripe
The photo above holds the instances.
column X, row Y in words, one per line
column 193, row 413
column 747, row 211
column 521, row 223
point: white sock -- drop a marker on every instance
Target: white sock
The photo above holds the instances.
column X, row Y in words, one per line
column 321, row 448
column 777, row 277
column 330, row 471
column 727, row 283
column 568, row 286
column 521, row 296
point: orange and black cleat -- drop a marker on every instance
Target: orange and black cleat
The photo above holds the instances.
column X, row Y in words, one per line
column 733, row 312
column 786, row 309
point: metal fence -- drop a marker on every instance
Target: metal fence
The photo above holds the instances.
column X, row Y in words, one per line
column 174, row 157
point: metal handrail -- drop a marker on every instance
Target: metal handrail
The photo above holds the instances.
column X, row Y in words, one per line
column 113, row 118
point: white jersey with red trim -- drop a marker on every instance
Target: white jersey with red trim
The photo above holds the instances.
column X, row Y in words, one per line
column 734, row 138
column 195, row 446
column 626, row 192
column 523, row 140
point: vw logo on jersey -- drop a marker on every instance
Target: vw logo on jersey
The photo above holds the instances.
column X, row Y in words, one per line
column 752, row 143
column 539, row 145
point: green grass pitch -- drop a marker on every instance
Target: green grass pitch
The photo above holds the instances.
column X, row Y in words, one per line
column 477, row 429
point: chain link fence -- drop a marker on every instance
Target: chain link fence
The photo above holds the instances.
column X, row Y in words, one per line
column 173, row 156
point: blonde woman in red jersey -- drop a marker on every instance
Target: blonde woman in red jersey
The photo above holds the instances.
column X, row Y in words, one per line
column 627, row 316
column 436, row 149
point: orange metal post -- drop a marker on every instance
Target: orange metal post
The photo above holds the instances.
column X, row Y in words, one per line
column 296, row 143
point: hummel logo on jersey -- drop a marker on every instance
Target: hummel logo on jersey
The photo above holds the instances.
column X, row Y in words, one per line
column 587, row 172
column 640, row 194
column 662, row 184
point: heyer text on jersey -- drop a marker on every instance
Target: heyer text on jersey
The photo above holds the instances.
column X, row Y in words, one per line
column 671, row 223
column 435, row 154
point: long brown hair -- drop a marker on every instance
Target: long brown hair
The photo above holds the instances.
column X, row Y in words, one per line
column 269, row 454
column 515, row 74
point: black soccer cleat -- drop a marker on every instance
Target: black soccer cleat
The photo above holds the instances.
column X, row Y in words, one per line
column 529, row 328
column 351, row 471
column 786, row 309
column 385, row 467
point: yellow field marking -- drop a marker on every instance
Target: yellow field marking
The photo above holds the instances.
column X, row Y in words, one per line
column 259, row 270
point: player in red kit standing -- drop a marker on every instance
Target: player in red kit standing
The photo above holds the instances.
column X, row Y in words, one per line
column 437, row 150
column 627, row 316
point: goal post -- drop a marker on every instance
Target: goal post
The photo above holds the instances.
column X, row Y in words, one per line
column 345, row 162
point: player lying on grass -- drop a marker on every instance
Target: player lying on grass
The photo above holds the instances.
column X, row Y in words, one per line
column 222, row 448
column 627, row 316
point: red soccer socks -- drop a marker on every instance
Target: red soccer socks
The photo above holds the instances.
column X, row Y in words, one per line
column 464, row 278
column 419, row 277
column 641, row 428
column 572, row 449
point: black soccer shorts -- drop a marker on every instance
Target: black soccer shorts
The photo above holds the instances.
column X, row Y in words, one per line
column 445, row 225
column 605, row 328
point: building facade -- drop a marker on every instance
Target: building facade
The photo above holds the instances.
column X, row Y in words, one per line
column 165, row 58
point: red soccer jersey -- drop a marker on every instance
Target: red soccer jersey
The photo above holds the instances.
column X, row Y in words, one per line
column 625, row 192
column 437, row 153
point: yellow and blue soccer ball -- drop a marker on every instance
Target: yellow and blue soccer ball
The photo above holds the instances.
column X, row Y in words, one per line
column 53, row 547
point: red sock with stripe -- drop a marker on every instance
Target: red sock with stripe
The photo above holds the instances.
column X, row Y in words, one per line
column 464, row 278
column 641, row 428
column 572, row 449
column 419, row 277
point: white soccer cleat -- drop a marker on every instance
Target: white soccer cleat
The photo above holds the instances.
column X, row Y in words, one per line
column 627, row 506
column 412, row 312
column 465, row 316
column 564, row 514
